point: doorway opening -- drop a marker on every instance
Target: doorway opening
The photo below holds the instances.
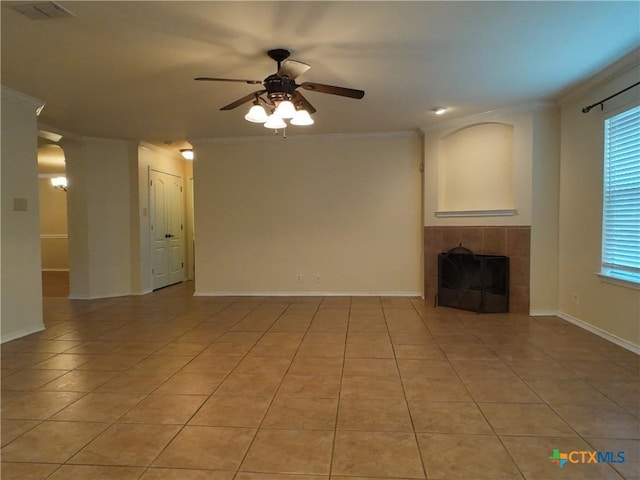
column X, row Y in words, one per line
column 54, row 233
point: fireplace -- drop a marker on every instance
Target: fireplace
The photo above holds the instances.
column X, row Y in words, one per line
column 467, row 281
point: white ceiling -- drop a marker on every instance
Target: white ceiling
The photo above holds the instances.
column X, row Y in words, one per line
column 125, row 70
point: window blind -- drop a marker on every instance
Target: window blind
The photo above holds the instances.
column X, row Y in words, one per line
column 621, row 200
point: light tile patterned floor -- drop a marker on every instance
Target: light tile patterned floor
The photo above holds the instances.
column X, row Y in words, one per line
column 171, row 386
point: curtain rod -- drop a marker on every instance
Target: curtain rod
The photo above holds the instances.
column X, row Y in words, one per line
column 601, row 102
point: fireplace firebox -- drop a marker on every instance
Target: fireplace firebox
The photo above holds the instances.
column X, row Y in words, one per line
column 479, row 283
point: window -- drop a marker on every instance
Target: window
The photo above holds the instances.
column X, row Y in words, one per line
column 621, row 199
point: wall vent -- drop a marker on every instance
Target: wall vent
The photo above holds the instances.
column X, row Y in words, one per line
column 42, row 10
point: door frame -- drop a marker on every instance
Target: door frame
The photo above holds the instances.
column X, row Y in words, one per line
column 151, row 169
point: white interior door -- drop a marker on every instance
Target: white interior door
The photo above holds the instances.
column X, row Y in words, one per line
column 167, row 228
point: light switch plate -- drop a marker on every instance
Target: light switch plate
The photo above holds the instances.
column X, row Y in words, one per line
column 20, row 204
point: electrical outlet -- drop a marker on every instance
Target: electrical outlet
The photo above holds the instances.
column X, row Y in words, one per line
column 299, row 278
column 576, row 298
column 317, row 277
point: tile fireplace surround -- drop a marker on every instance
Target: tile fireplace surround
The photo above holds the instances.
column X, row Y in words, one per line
column 514, row 242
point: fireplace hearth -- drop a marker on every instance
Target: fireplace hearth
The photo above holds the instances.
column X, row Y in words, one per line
column 468, row 281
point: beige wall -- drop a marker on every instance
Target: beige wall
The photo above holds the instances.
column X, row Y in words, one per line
column 20, row 275
column 99, row 198
column 53, row 226
column 545, row 207
column 475, row 168
column 583, row 296
column 346, row 208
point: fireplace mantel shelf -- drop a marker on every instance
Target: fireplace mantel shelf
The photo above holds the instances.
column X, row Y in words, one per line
column 508, row 212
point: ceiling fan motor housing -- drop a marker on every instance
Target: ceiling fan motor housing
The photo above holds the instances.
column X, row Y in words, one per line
column 279, row 88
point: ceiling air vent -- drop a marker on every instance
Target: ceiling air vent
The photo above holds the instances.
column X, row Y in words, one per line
column 42, row 10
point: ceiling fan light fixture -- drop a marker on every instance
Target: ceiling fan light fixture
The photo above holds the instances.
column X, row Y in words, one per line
column 283, row 97
column 286, row 109
column 275, row 122
column 257, row 114
column 302, row 118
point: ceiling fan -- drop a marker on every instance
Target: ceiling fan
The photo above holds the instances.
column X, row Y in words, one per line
column 283, row 99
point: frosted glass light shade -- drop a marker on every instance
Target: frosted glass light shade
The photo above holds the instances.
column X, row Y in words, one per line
column 286, row 109
column 60, row 182
column 187, row 153
column 302, row 118
column 256, row 114
column 275, row 121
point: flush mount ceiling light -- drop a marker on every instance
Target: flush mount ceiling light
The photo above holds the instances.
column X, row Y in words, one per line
column 439, row 110
column 283, row 101
column 187, row 153
column 59, row 183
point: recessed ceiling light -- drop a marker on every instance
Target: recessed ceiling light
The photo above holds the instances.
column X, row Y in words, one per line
column 439, row 110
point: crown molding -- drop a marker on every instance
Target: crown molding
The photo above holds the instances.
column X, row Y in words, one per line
column 23, row 98
column 491, row 115
column 159, row 149
column 58, row 131
column 623, row 65
column 305, row 137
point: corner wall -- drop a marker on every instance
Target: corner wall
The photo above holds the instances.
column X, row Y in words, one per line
column 610, row 309
column 99, row 215
column 20, row 274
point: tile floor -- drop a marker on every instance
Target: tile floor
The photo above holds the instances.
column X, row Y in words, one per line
column 171, row 386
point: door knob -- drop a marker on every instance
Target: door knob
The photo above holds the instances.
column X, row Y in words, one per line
column 168, row 235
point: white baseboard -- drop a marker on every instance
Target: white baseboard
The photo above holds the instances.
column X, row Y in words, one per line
column 143, row 292
column 307, row 294
column 621, row 342
column 543, row 313
column 98, row 297
column 21, row 333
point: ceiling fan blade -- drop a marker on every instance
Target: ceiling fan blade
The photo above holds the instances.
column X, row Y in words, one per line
column 299, row 99
column 292, row 69
column 333, row 90
column 242, row 100
column 210, row 79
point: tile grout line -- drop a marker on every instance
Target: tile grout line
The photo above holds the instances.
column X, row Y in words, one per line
column 344, row 358
column 148, row 467
column 404, row 393
column 480, row 410
column 175, row 304
column 279, row 385
column 116, row 421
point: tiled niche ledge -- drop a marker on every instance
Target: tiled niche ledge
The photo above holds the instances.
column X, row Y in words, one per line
column 507, row 212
